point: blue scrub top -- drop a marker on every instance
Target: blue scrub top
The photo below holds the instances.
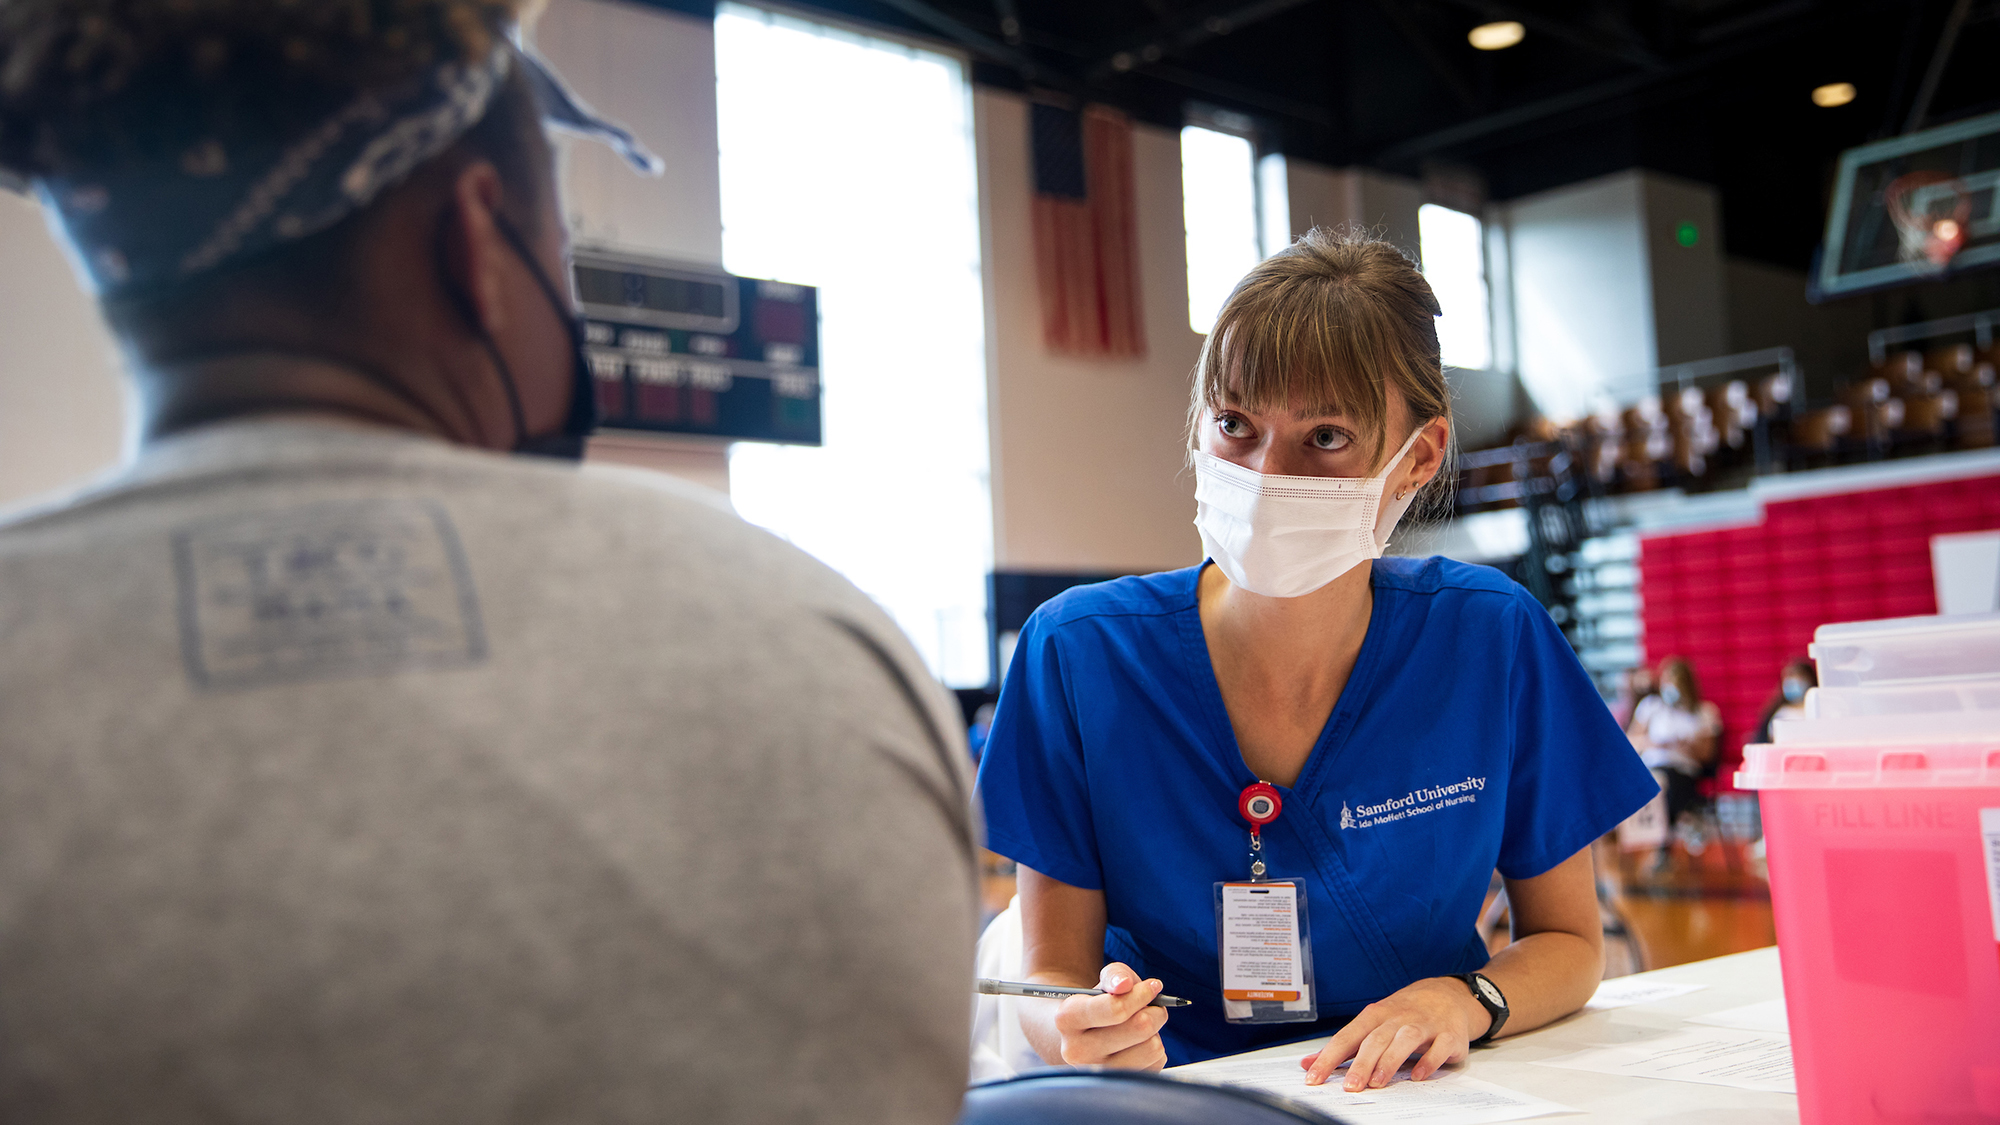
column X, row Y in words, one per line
column 1468, row 738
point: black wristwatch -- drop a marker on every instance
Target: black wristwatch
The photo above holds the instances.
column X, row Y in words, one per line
column 1489, row 996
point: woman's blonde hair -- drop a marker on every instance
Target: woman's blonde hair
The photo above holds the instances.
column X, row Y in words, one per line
column 1329, row 323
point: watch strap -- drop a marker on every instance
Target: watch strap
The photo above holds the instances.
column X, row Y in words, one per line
column 1496, row 1012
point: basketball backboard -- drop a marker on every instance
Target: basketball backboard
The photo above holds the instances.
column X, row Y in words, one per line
column 1913, row 208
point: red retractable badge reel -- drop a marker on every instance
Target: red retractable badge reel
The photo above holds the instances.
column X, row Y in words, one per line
column 1260, row 805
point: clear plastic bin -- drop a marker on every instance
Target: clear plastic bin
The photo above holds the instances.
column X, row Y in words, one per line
column 1907, row 648
column 1885, row 887
column 1933, row 727
column 1938, row 696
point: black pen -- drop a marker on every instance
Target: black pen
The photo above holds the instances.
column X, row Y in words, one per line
column 1057, row 992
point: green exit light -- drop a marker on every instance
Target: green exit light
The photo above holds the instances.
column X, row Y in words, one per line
column 1687, row 234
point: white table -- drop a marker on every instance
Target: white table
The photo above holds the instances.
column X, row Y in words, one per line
column 1733, row 981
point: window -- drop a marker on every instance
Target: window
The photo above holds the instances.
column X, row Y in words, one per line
column 1274, row 205
column 1454, row 253
column 1219, row 210
column 847, row 163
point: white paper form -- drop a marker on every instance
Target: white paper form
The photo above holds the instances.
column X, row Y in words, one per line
column 1449, row 1098
column 1620, row 992
column 1739, row 1059
column 1768, row 1017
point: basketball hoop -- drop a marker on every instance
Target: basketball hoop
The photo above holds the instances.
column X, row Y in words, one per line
column 1930, row 210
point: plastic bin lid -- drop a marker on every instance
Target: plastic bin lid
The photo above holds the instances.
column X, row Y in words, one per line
column 1854, row 631
column 1941, row 696
column 1906, row 648
column 1888, row 730
column 1856, row 766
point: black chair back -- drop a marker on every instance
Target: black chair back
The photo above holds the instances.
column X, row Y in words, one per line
column 1125, row 1097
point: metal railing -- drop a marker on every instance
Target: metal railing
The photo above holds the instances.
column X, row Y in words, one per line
column 1784, row 359
column 1980, row 324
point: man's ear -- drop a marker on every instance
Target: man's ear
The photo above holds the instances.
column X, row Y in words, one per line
column 475, row 252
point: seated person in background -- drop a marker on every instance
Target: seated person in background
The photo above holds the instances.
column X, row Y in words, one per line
column 1678, row 736
column 1635, row 685
column 1789, row 701
column 1423, row 721
column 359, row 771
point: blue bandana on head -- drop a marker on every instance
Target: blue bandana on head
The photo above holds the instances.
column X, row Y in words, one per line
column 145, row 225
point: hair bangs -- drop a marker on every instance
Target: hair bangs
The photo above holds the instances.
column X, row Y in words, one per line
column 1277, row 348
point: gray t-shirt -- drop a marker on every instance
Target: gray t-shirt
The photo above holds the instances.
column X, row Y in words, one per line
column 347, row 776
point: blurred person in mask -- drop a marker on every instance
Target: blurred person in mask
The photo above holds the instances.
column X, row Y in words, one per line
column 359, row 768
column 1789, row 701
column 1635, row 685
column 1679, row 737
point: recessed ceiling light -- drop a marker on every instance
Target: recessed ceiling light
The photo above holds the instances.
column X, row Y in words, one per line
column 1496, row 36
column 1833, row 94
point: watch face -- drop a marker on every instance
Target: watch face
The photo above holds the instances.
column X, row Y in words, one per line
column 1491, row 993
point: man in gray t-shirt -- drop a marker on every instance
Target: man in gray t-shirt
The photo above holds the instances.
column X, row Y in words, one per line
column 354, row 770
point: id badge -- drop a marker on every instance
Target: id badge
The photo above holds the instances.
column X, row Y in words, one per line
column 1266, row 952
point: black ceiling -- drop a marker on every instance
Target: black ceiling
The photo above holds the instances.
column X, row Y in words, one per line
column 1712, row 90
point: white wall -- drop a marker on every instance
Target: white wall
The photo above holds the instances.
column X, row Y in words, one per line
column 1089, row 462
column 1387, row 208
column 1690, row 306
column 1603, row 293
column 1582, row 299
column 653, row 72
column 62, row 402
column 1361, row 199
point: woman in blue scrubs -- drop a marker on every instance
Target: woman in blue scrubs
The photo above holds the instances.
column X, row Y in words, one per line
column 1423, row 721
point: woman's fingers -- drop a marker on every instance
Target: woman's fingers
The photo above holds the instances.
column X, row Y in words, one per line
column 1407, row 1040
column 1150, row 1054
column 1120, row 1028
column 1444, row 1049
column 1361, row 1071
column 1125, row 995
column 1425, row 1018
column 1104, row 1045
column 1103, row 1042
column 1336, row 1052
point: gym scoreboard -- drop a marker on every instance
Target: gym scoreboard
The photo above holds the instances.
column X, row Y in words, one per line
column 684, row 349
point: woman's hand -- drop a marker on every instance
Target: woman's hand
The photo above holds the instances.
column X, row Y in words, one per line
column 1437, row 1018
column 1117, row 1029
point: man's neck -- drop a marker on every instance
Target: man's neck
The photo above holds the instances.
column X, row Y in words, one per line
column 184, row 394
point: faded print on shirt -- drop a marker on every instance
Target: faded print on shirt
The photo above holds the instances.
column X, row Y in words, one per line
column 340, row 588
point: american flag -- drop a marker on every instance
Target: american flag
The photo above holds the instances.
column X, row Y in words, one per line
column 1086, row 253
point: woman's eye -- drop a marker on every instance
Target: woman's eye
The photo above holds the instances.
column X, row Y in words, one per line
column 1328, row 438
column 1232, row 426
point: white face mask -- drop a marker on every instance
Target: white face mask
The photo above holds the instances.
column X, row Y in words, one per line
column 1285, row 537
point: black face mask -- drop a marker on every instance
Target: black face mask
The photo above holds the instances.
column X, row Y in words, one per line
column 565, row 443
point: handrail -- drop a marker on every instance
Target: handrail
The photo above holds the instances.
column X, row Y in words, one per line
column 1783, row 358
column 1519, row 450
column 1980, row 324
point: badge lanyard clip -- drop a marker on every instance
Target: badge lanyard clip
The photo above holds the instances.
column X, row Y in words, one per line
column 1260, row 804
column 1263, row 946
